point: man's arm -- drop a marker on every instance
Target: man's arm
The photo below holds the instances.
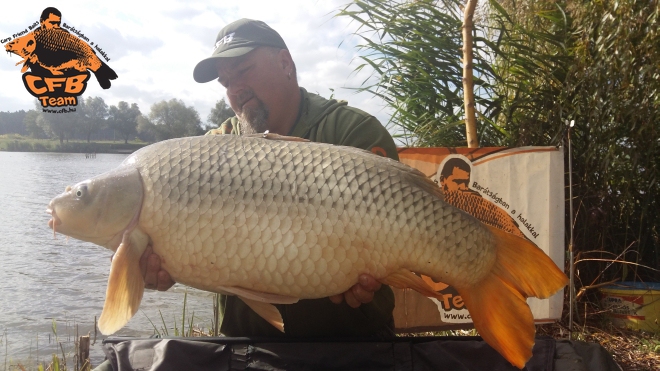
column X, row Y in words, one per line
column 367, row 134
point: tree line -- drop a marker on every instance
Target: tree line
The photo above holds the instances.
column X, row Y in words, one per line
column 94, row 119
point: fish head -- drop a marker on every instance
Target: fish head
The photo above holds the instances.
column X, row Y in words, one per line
column 100, row 209
column 23, row 46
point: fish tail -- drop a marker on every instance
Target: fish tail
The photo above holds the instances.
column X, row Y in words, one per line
column 498, row 305
column 104, row 74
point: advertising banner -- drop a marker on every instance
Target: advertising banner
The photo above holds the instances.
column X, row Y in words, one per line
column 520, row 190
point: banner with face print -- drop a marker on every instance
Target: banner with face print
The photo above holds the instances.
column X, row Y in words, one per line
column 519, row 190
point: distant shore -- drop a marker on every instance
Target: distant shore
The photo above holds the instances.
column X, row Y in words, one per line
column 18, row 143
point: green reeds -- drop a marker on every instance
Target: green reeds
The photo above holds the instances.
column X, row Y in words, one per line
column 179, row 328
column 68, row 355
column 538, row 64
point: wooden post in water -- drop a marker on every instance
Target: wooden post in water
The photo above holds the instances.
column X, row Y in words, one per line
column 83, row 353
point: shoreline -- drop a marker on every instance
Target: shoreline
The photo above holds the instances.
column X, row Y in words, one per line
column 17, row 143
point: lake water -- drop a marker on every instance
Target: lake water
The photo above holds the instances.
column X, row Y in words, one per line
column 44, row 279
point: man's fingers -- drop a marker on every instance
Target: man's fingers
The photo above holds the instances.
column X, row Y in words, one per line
column 369, row 283
column 337, row 299
column 361, row 295
column 351, row 300
column 143, row 260
column 164, row 281
column 151, row 275
column 155, row 278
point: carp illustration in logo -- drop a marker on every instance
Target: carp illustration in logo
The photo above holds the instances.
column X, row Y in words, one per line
column 455, row 184
column 59, row 62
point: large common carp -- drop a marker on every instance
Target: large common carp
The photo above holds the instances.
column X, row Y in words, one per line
column 275, row 220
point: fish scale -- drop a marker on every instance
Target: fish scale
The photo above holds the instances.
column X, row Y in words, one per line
column 361, row 197
column 275, row 220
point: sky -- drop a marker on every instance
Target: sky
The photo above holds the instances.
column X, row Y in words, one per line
column 154, row 46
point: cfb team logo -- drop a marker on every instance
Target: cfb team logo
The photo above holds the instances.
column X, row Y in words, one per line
column 59, row 62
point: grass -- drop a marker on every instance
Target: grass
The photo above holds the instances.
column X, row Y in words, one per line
column 632, row 350
column 19, row 143
column 179, row 328
column 66, row 358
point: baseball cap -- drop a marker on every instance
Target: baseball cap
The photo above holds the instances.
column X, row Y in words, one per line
column 236, row 39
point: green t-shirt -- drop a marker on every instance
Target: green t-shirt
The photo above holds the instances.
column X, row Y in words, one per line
column 327, row 121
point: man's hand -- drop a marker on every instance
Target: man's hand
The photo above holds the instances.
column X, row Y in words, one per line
column 155, row 278
column 361, row 293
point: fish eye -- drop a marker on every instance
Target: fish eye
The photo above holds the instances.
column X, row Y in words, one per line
column 81, row 191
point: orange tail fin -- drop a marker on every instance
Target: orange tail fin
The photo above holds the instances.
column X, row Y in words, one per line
column 498, row 303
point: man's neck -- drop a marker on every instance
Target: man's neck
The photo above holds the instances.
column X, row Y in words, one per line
column 284, row 124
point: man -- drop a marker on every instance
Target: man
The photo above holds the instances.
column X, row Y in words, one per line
column 254, row 64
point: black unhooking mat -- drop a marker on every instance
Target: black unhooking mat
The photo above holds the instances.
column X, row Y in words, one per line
column 420, row 353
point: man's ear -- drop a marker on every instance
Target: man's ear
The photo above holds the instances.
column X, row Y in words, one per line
column 285, row 61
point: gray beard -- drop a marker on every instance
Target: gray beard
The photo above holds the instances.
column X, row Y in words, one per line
column 254, row 120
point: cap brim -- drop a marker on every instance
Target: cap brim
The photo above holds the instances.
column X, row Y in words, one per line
column 206, row 70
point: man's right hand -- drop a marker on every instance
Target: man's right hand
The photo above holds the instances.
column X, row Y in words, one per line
column 155, row 278
column 361, row 293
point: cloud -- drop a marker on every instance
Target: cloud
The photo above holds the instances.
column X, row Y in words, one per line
column 9, row 63
column 154, row 48
column 117, row 44
column 14, row 103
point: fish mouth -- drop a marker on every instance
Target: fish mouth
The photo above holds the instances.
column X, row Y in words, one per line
column 54, row 220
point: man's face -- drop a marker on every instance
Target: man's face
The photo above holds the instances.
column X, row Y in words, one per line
column 52, row 21
column 254, row 83
column 457, row 181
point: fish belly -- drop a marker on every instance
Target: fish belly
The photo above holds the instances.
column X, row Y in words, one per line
column 299, row 219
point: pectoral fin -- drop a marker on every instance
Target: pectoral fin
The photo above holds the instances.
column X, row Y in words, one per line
column 125, row 284
column 266, row 311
